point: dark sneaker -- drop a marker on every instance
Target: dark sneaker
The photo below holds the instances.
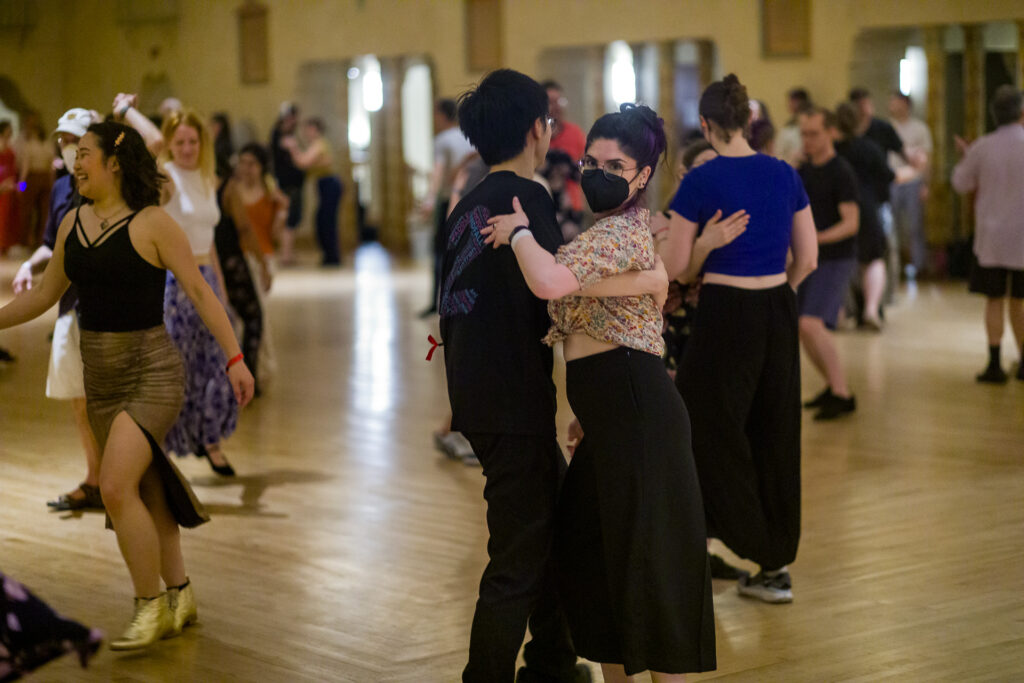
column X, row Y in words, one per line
column 1020, row 371
column 720, row 569
column 580, row 674
column 819, row 400
column 775, row 589
column 993, row 375
column 835, row 406
column 5, row 356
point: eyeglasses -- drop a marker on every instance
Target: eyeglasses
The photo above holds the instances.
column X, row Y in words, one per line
column 612, row 168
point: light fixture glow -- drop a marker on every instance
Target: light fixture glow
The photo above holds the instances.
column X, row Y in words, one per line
column 373, row 90
column 623, row 76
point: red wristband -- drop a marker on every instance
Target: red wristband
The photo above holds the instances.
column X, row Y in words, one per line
column 236, row 359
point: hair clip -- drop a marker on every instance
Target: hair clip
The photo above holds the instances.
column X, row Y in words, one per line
column 118, row 140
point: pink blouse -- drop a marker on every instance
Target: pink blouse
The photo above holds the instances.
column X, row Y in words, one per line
column 614, row 245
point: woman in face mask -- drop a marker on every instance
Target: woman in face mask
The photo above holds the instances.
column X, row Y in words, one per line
column 630, row 541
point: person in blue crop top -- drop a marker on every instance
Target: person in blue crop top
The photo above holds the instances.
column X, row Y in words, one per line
column 740, row 373
column 117, row 249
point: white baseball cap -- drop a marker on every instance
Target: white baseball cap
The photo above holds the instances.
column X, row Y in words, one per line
column 75, row 122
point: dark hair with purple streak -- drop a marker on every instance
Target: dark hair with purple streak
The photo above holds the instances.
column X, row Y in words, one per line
column 639, row 132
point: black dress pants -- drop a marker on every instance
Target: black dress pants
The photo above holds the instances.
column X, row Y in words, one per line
column 740, row 380
column 523, row 476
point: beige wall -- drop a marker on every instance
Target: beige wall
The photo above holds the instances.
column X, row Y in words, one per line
column 79, row 55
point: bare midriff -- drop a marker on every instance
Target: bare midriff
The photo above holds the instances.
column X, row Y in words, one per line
column 579, row 345
column 746, row 281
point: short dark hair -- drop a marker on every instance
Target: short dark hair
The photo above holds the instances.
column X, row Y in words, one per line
column 448, row 108
column 694, row 150
column 847, row 119
column 257, row 150
column 725, row 104
column 140, row 178
column 800, row 94
column 857, row 94
column 903, row 96
column 638, row 130
column 551, row 84
column 316, row 122
column 5, row 125
column 497, row 114
column 829, row 117
column 1006, row 105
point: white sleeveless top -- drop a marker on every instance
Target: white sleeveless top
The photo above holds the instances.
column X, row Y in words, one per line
column 193, row 205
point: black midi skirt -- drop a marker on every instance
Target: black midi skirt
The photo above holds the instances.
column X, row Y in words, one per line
column 140, row 373
column 630, row 546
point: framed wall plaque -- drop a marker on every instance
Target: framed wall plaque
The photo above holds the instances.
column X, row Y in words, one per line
column 786, row 28
column 253, row 56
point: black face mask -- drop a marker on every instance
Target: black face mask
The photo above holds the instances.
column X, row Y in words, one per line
column 604, row 193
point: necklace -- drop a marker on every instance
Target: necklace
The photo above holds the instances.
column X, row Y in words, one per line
column 105, row 222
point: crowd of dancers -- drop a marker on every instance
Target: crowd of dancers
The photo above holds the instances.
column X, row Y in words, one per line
column 681, row 331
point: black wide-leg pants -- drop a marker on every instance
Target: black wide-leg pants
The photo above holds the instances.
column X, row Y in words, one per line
column 740, row 380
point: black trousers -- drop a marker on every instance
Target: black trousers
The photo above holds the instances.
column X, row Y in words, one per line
column 329, row 194
column 440, row 218
column 740, row 380
column 523, row 476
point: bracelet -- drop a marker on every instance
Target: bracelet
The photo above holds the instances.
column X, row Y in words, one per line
column 658, row 232
column 516, row 233
column 233, row 361
column 124, row 110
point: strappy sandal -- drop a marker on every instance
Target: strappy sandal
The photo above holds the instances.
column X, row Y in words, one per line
column 90, row 499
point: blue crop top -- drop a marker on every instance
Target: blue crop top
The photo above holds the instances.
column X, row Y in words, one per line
column 771, row 192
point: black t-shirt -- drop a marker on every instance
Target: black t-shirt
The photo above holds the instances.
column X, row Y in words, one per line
column 873, row 176
column 829, row 185
column 884, row 135
column 499, row 372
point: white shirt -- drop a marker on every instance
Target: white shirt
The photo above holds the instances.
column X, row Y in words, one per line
column 916, row 138
column 450, row 148
column 193, row 205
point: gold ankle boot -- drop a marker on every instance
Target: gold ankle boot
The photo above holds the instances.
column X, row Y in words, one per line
column 152, row 619
column 183, row 608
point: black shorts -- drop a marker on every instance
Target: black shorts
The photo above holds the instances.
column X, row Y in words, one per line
column 994, row 282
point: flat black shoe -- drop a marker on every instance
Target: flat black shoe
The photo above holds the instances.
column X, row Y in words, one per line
column 993, row 375
column 819, row 400
column 427, row 312
column 5, row 355
column 225, row 470
column 580, row 674
column 720, row 569
column 836, row 406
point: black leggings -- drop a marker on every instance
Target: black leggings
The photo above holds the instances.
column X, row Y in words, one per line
column 740, row 379
column 242, row 294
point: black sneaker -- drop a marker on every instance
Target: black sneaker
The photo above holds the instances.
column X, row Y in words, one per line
column 819, row 400
column 993, row 375
column 5, row 356
column 581, row 674
column 775, row 589
column 720, row 569
column 836, row 406
column 1020, row 371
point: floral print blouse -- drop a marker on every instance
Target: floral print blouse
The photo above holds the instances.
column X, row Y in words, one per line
column 614, row 245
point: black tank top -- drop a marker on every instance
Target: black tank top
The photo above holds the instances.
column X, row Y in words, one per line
column 118, row 290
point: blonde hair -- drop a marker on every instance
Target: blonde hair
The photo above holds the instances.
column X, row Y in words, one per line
column 188, row 117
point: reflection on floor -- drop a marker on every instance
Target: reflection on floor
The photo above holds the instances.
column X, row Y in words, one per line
column 347, row 549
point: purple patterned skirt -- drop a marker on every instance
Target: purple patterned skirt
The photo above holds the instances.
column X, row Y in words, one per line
column 31, row 633
column 210, row 412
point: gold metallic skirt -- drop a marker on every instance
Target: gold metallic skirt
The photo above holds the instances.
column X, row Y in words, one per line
column 140, row 373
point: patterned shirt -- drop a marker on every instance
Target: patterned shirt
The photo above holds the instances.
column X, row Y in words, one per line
column 614, row 245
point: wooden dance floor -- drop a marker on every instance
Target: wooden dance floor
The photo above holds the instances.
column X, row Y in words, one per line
column 347, row 549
